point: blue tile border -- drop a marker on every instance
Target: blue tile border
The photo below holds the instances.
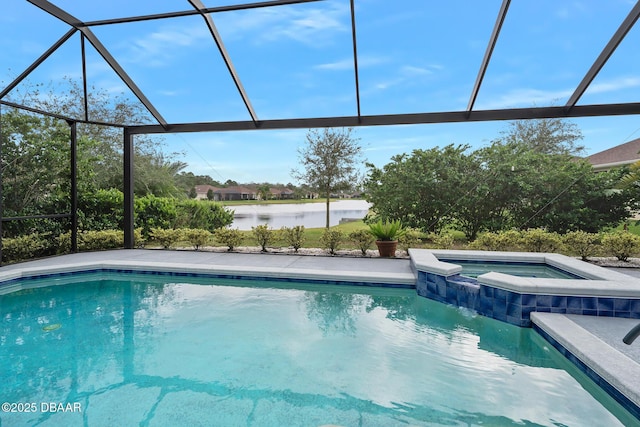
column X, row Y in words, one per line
column 514, row 307
column 593, row 375
column 205, row 276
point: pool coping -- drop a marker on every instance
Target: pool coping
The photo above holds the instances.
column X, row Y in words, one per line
column 284, row 267
column 609, row 368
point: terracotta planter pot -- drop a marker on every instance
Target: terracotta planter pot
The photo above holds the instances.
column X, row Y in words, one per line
column 387, row 248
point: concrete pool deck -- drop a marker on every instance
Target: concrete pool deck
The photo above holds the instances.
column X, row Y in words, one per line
column 595, row 341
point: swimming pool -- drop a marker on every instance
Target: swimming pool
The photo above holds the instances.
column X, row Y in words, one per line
column 162, row 350
column 473, row 268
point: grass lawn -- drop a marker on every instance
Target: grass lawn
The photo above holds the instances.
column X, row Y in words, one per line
column 633, row 226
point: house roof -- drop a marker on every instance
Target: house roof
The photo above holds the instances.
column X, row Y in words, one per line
column 620, row 155
column 205, row 188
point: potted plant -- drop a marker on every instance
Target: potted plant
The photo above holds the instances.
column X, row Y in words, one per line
column 386, row 234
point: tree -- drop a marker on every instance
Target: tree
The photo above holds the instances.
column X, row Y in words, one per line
column 527, row 178
column 548, row 136
column 155, row 170
column 329, row 162
column 264, row 190
column 534, row 162
column 423, row 189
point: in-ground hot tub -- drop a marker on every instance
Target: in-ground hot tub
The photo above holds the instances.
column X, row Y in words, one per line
column 580, row 288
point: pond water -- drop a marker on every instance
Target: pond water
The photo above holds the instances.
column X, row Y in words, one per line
column 311, row 215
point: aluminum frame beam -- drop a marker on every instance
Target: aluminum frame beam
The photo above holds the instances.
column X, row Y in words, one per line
column 115, row 66
column 200, row 7
column 604, row 56
column 37, row 62
column 179, row 14
column 502, row 14
column 355, row 54
column 398, row 119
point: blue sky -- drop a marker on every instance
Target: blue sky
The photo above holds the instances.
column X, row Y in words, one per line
column 295, row 61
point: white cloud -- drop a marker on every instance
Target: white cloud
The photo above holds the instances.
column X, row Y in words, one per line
column 347, row 63
column 405, row 75
column 527, row 96
column 159, row 48
column 619, row 83
column 315, row 26
column 522, row 97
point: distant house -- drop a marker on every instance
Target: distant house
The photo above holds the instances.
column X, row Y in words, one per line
column 203, row 190
column 620, row 155
column 237, row 192
column 282, row 193
column 225, row 193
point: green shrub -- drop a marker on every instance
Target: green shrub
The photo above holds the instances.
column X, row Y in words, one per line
column 487, row 242
column 100, row 240
column 166, row 238
column 621, row 244
column 155, row 212
column 138, row 239
column 411, row 238
column 331, row 240
column 293, row 236
column 540, row 240
column 196, row 236
column 101, row 210
column 23, row 248
column 443, row 240
column 202, row 214
column 64, row 243
column 263, row 236
column 581, row 243
column 510, row 240
column 229, row 237
column 363, row 239
column 95, row 240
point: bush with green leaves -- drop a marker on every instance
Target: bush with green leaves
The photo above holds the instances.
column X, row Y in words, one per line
column 540, row 240
column 203, row 214
column 363, row 239
column 101, row 210
column 196, row 236
column 293, row 236
column 263, row 236
column 155, row 212
column 167, row 238
column 138, row 239
column 487, row 241
column 24, row 248
column 621, row 244
column 410, row 239
column 97, row 240
column 331, row 240
column 510, row 240
column 581, row 243
column 443, row 240
column 230, row 237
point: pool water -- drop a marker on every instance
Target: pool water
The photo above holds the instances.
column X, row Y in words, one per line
column 475, row 268
column 147, row 350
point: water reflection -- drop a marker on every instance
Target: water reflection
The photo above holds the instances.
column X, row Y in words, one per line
column 311, row 215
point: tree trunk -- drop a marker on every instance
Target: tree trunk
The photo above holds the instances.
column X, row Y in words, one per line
column 327, row 210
